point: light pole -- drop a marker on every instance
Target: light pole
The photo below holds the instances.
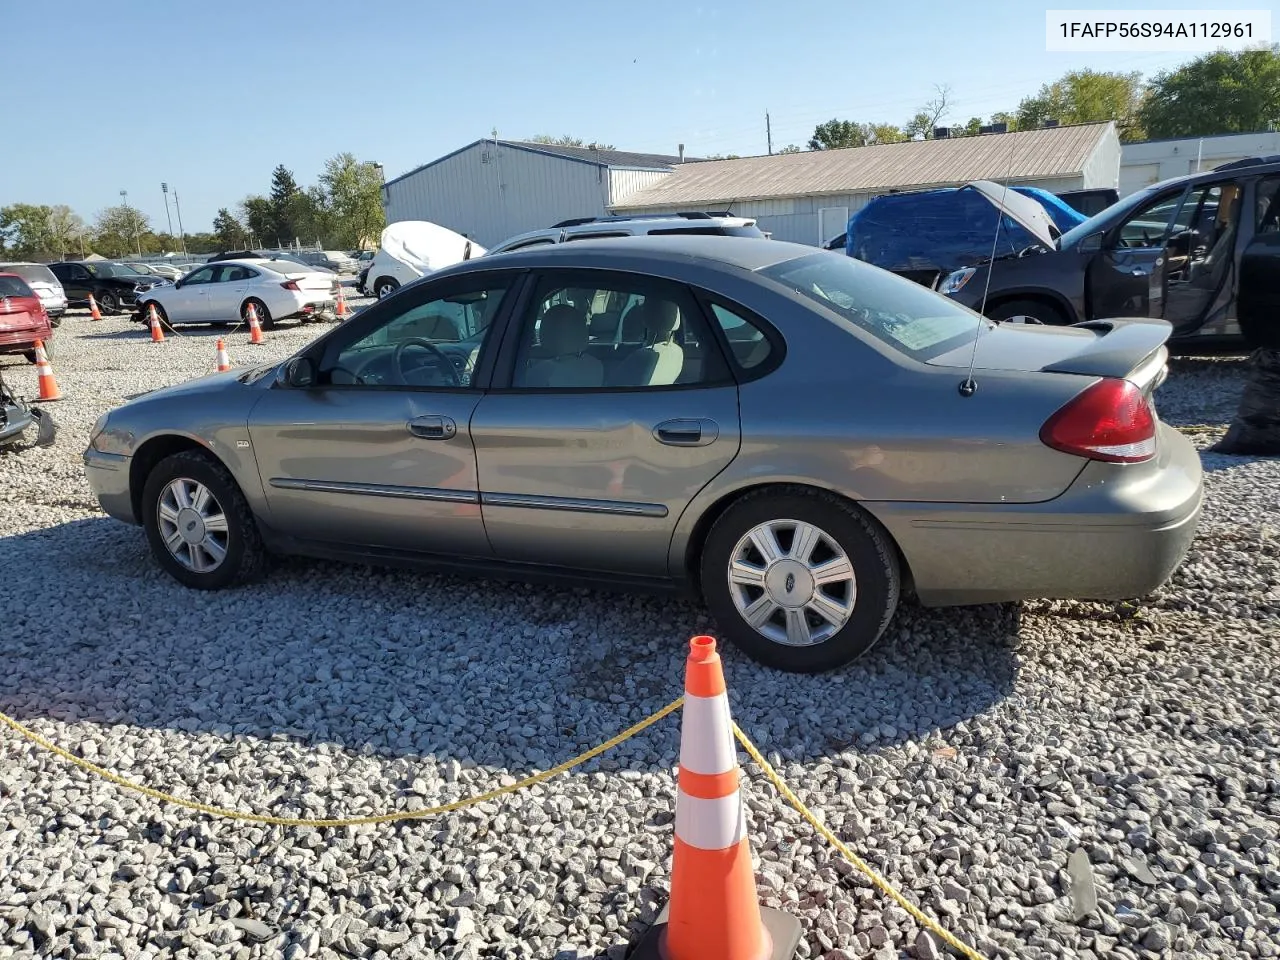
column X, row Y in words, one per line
column 124, row 196
column 165, row 187
column 181, row 233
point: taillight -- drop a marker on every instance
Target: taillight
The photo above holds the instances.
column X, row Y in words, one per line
column 291, row 285
column 1110, row 421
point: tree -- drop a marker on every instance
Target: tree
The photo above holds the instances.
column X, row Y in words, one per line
column 228, row 232
column 121, row 230
column 66, row 229
column 284, row 189
column 927, row 117
column 24, row 229
column 972, row 128
column 259, row 219
column 884, row 133
column 569, row 141
column 1217, row 93
column 790, row 148
column 837, row 134
column 1087, row 96
column 354, row 194
column 1008, row 119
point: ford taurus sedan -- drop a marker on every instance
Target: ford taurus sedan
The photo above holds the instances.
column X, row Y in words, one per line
column 797, row 438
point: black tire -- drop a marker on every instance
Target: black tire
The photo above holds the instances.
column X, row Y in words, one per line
column 1046, row 313
column 383, row 287
column 145, row 314
column 108, row 302
column 246, row 558
column 48, row 351
column 264, row 315
column 866, row 545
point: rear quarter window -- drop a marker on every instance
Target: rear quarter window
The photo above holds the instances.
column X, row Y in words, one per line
column 14, row 287
column 30, row 272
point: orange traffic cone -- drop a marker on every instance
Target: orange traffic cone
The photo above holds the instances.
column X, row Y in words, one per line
column 341, row 308
column 48, row 386
column 255, row 328
column 713, row 913
column 153, row 318
column 223, row 361
column 93, row 309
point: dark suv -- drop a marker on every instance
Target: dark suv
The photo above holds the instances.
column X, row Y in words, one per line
column 115, row 287
column 1175, row 250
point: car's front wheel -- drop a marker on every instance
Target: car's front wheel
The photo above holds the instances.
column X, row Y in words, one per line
column 385, row 287
column 1027, row 311
column 107, row 302
column 200, row 527
column 798, row 579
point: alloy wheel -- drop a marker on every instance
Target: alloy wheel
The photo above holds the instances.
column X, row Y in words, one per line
column 792, row 582
column 192, row 524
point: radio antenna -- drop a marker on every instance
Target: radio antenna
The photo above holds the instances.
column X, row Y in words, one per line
column 969, row 386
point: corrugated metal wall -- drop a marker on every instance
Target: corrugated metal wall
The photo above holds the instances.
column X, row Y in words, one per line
column 624, row 181
column 490, row 194
column 795, row 219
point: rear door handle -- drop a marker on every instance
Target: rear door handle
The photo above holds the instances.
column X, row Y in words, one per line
column 686, row 433
column 433, row 428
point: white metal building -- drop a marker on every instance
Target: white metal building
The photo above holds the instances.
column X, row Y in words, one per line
column 807, row 197
column 493, row 189
column 1149, row 161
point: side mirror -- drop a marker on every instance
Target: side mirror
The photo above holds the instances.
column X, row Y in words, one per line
column 300, row 372
column 1091, row 243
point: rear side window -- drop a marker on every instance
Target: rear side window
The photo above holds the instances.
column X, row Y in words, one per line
column 14, row 287
column 30, row 271
column 747, row 342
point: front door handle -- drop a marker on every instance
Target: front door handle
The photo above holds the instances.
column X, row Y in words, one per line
column 686, row 433
column 433, row 428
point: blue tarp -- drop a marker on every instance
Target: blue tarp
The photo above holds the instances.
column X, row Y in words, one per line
column 943, row 229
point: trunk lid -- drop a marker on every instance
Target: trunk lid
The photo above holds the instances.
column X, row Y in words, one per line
column 309, row 280
column 1132, row 349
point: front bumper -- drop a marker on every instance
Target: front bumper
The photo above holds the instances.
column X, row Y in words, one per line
column 1107, row 537
column 108, row 476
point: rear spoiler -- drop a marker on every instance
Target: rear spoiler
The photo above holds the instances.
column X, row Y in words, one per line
column 1133, row 349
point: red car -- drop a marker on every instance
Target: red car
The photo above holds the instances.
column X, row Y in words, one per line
column 22, row 318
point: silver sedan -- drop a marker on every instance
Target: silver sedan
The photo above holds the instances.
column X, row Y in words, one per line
column 799, row 438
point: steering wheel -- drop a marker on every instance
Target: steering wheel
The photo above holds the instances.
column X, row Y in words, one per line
column 397, row 360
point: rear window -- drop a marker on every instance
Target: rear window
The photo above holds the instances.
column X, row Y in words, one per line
column 30, row 272
column 14, row 287
column 898, row 312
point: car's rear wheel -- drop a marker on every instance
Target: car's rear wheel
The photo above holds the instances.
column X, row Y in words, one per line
column 264, row 315
column 48, row 351
column 1027, row 311
column 798, row 579
column 107, row 302
column 199, row 525
column 385, row 287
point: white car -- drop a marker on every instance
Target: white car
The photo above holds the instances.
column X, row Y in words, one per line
column 164, row 271
column 221, row 292
column 587, row 228
column 411, row 249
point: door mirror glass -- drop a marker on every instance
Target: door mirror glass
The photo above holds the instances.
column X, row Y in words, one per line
column 1091, row 243
column 300, row 372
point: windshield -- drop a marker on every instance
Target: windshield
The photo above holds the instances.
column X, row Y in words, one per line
column 908, row 317
column 1102, row 219
column 30, row 272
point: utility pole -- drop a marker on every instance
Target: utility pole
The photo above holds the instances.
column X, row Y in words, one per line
column 181, row 233
column 768, row 132
column 165, row 188
column 137, row 238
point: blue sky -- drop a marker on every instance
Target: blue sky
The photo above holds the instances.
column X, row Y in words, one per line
column 211, row 97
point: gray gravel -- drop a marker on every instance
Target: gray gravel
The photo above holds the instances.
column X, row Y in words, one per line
column 968, row 757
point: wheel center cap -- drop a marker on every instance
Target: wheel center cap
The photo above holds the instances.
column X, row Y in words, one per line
column 190, row 525
column 789, row 583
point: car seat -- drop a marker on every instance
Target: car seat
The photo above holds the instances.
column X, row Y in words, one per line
column 562, row 360
column 659, row 361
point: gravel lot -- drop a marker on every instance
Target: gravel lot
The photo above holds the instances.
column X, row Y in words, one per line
column 967, row 757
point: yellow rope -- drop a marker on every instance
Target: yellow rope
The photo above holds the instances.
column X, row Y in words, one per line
column 884, row 885
column 348, row 821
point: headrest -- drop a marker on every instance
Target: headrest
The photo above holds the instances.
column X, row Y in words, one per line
column 563, row 330
column 660, row 319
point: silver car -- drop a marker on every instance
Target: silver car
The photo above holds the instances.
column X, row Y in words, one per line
column 798, row 438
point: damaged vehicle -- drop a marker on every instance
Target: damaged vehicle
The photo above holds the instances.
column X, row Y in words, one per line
column 17, row 418
column 411, row 249
column 1173, row 251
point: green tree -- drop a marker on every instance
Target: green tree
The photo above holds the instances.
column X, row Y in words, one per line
column 205, row 242
column 120, row 230
column 568, row 141
column 920, row 126
column 228, row 233
column 354, row 201
column 25, row 229
column 971, row 128
column 884, row 133
column 838, row 134
column 66, row 229
column 284, row 191
column 259, row 220
column 1217, row 93
column 1003, row 116
column 790, row 148
column 1087, row 96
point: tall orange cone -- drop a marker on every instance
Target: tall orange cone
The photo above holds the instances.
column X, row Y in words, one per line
column 713, row 913
column 153, row 319
column 94, row 314
column 255, row 328
column 223, row 361
column 48, row 386
column 341, row 308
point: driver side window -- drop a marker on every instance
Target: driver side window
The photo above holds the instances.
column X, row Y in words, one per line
column 431, row 343
column 1147, row 227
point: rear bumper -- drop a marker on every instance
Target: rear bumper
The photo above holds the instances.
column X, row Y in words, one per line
column 108, row 476
column 20, row 341
column 1110, row 536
